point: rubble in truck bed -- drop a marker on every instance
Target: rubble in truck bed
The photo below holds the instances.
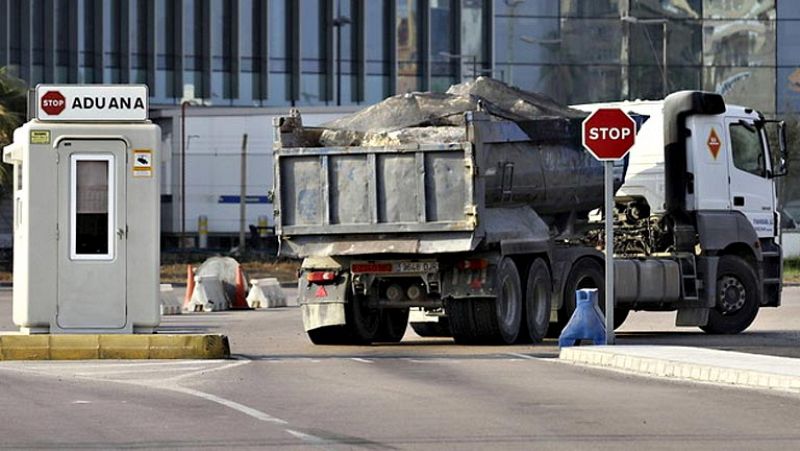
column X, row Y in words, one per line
column 434, row 118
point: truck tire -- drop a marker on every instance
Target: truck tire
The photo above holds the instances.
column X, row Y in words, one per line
column 392, row 326
column 490, row 321
column 362, row 321
column 586, row 273
column 737, row 297
column 432, row 329
column 538, row 299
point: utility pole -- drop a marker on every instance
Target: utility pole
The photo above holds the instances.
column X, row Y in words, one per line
column 338, row 23
column 243, row 195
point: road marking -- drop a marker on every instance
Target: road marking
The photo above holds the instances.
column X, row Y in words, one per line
column 308, row 437
column 249, row 411
column 144, row 371
column 522, row 356
column 358, row 359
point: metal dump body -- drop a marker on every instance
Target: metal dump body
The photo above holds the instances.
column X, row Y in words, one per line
column 353, row 190
column 504, row 182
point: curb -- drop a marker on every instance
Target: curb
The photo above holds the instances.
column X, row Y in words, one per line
column 606, row 357
column 110, row 346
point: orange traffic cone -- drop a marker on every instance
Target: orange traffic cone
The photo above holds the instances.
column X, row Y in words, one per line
column 189, row 286
column 239, row 301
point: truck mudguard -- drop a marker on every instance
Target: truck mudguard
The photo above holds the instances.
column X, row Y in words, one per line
column 720, row 229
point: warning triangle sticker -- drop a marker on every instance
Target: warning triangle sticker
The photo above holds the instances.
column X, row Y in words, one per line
column 713, row 143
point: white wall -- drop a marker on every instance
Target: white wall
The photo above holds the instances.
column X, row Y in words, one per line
column 213, row 158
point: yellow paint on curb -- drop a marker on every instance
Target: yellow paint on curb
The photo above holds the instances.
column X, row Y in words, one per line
column 109, row 346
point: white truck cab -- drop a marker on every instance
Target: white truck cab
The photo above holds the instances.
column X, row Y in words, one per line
column 728, row 163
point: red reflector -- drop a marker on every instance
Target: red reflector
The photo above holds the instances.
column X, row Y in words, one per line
column 321, row 292
column 477, row 263
column 321, row 276
column 475, row 284
column 371, row 267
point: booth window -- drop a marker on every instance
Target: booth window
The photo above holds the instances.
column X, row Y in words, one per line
column 92, row 207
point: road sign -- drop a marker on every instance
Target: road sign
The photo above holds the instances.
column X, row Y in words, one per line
column 92, row 103
column 53, row 103
column 608, row 134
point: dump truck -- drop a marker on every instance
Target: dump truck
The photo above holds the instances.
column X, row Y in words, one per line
column 477, row 209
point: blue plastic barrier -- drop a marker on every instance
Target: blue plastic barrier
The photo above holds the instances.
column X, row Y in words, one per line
column 586, row 323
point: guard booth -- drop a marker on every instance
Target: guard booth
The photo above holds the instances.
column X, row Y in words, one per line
column 86, row 212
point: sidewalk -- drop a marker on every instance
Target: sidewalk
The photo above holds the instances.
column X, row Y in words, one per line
column 692, row 364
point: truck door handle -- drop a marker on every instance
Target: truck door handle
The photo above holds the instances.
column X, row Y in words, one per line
column 738, row 201
column 120, row 233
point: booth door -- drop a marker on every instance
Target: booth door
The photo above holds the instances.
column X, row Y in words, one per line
column 91, row 234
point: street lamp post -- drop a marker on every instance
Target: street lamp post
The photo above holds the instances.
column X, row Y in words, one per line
column 663, row 23
column 338, row 23
column 474, row 59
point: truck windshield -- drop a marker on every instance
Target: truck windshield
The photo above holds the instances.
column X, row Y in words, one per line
column 747, row 149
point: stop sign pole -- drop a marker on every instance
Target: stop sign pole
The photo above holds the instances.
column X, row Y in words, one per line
column 609, row 134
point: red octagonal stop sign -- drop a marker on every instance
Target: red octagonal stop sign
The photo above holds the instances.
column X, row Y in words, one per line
column 53, row 103
column 608, row 134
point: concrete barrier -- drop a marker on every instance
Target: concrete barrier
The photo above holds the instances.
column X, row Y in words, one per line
column 170, row 305
column 790, row 241
column 266, row 293
column 208, row 295
column 122, row 346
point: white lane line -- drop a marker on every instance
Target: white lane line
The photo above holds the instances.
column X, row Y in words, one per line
column 522, row 356
column 53, row 364
column 143, row 371
column 240, row 362
column 313, row 439
column 358, row 359
column 249, row 411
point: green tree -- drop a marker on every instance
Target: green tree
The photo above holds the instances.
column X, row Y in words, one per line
column 13, row 100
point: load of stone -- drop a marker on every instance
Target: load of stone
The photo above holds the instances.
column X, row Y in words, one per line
column 434, row 118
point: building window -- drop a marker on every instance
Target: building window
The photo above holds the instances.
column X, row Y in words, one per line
column 444, row 51
column 378, row 51
column 409, row 42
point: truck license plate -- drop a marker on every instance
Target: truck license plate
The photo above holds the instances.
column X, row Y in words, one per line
column 396, row 267
column 422, row 267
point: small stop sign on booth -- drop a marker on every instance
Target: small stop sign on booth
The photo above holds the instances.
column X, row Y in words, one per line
column 53, row 103
column 608, row 134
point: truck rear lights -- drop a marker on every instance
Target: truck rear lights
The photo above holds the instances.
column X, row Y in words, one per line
column 475, row 263
column 320, row 277
column 357, row 268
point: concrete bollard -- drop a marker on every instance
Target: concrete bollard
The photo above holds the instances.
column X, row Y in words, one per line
column 266, row 293
column 202, row 232
column 587, row 321
column 169, row 303
column 208, row 296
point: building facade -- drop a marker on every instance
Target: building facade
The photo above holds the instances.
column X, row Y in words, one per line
column 335, row 55
column 276, row 53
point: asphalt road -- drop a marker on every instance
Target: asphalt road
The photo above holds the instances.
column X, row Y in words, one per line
column 423, row 393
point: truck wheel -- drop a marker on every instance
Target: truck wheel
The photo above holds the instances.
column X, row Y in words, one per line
column 737, row 297
column 538, row 298
column 362, row 321
column 490, row 321
column 392, row 326
column 586, row 273
column 432, row 329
